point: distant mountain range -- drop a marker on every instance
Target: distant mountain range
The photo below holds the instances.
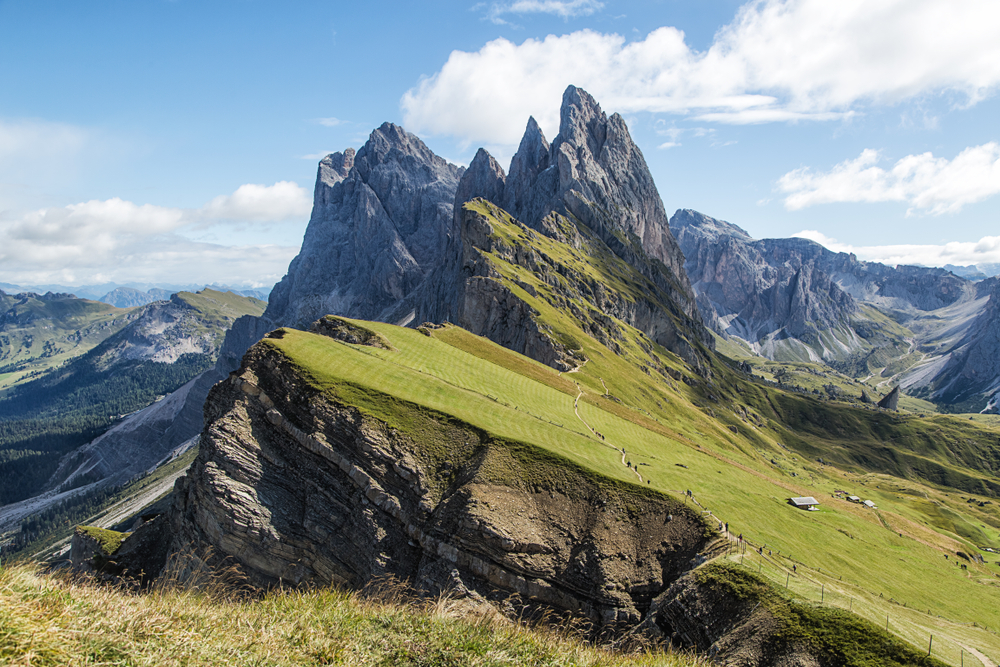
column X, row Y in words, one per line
column 131, row 294
column 926, row 329
column 93, row 366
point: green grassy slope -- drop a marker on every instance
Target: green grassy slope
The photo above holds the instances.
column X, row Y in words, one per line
column 49, row 620
column 858, row 554
column 42, row 419
column 741, row 447
column 40, row 333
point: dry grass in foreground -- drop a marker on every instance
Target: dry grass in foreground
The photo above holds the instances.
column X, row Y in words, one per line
column 64, row 620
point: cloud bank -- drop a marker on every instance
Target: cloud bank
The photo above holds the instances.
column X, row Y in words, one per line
column 778, row 61
column 118, row 240
column 925, row 183
column 961, row 253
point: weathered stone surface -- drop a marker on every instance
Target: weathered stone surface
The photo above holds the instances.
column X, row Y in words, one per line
column 973, row 369
column 139, row 559
column 348, row 332
column 775, row 293
column 891, row 400
column 729, row 629
column 301, row 490
column 380, row 223
column 594, row 174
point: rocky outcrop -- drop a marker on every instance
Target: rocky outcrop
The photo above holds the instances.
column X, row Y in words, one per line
column 290, row 486
column 348, row 332
column 124, row 558
column 736, row 617
column 891, row 400
column 728, row 628
column 381, row 221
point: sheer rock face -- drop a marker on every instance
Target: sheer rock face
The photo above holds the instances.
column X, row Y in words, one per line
column 289, row 486
column 795, row 288
column 594, row 174
column 717, row 251
column 381, row 222
column 974, row 368
column 769, row 286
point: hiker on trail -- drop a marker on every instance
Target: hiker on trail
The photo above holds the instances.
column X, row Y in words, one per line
column 727, row 527
column 741, row 537
column 794, row 568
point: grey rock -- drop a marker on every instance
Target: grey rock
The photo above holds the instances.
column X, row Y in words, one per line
column 380, row 223
column 973, row 369
column 891, row 400
column 594, row 174
column 778, row 292
column 297, row 489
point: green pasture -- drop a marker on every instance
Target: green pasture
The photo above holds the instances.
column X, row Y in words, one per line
column 680, row 448
column 741, row 448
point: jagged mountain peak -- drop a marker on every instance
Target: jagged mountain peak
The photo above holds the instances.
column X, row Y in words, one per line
column 484, row 178
column 391, row 143
column 686, row 219
column 381, row 221
column 335, row 167
column 581, row 121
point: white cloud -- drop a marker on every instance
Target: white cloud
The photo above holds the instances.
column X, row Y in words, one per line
column 777, row 61
column 564, row 8
column 260, row 203
column 961, row 253
column 61, row 244
column 923, row 182
column 330, row 122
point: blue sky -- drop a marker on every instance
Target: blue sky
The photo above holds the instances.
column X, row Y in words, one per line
column 177, row 141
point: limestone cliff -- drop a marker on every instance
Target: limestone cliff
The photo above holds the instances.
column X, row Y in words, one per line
column 592, row 175
column 381, row 221
column 974, row 367
column 293, row 486
column 794, row 299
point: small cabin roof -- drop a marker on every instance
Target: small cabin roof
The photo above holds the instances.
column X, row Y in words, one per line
column 803, row 501
column 854, row 498
column 869, row 503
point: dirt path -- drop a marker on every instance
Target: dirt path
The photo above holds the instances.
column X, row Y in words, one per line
column 574, row 370
column 606, row 393
column 982, row 658
column 576, row 410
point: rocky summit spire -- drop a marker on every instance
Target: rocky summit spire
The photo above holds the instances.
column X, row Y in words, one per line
column 594, row 173
column 381, row 221
column 484, row 178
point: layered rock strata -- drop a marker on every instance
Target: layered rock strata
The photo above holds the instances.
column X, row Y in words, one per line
column 294, row 487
